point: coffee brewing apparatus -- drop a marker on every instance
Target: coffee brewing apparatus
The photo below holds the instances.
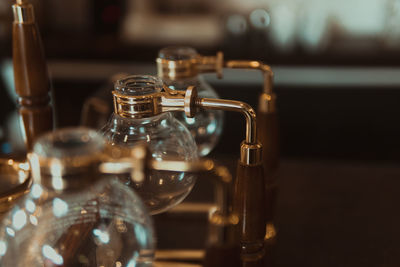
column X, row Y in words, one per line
column 248, row 200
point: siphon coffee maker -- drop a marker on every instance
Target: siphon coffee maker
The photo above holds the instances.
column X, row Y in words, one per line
column 141, row 97
column 132, row 121
column 178, row 64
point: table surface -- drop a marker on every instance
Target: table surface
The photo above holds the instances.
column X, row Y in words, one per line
column 329, row 213
column 338, row 214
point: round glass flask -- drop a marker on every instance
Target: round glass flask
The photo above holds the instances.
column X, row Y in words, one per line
column 73, row 216
column 167, row 139
column 206, row 126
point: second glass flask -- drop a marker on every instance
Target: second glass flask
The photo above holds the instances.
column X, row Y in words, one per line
column 166, row 137
column 206, row 127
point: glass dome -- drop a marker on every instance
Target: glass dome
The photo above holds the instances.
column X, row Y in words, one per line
column 97, row 221
column 166, row 137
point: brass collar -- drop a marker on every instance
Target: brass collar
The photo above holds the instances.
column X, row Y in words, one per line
column 23, row 13
column 187, row 68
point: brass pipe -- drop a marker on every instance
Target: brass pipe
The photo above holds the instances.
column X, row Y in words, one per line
column 236, row 106
column 267, row 99
column 250, row 149
column 257, row 65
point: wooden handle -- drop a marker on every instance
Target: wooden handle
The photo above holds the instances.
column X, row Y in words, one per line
column 249, row 204
column 31, row 80
column 268, row 135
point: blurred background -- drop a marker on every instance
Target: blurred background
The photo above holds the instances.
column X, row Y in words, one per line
column 346, row 32
column 337, row 78
column 336, row 62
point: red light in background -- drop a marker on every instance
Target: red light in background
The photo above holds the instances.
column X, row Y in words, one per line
column 111, row 14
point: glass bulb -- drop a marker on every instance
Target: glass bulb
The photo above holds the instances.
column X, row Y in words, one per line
column 206, row 126
column 166, row 137
column 99, row 223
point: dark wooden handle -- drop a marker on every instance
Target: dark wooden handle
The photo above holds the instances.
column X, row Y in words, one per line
column 268, row 135
column 249, row 204
column 31, row 81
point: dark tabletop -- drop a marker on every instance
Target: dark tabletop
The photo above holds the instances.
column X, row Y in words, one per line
column 329, row 213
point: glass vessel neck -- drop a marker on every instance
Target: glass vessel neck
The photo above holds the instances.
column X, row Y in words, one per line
column 137, row 96
column 138, row 85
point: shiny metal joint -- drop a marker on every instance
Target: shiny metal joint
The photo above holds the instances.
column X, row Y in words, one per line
column 250, row 154
column 23, row 13
column 136, row 107
column 186, row 68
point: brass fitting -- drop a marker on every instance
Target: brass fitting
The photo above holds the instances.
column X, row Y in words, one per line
column 23, row 12
column 183, row 62
column 250, row 154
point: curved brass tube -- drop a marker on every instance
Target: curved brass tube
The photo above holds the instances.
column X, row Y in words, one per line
column 258, row 65
column 267, row 98
column 237, row 106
